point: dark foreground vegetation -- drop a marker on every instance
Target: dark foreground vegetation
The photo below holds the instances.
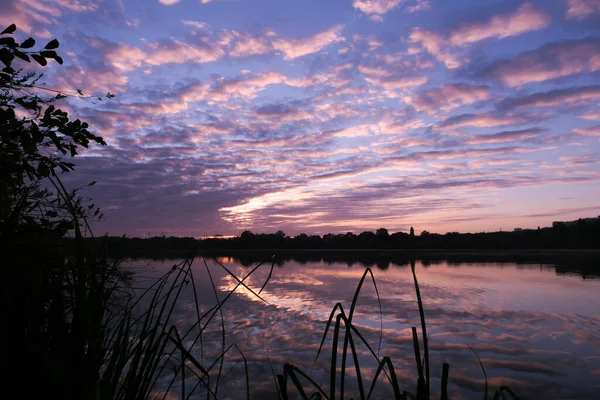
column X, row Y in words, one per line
column 78, row 326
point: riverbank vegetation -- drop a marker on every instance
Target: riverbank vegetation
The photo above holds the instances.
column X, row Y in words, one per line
column 583, row 234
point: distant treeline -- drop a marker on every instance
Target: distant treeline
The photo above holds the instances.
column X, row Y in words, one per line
column 581, row 234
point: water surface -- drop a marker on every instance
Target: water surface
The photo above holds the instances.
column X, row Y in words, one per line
column 535, row 330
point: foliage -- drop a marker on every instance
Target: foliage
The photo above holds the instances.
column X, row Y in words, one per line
column 35, row 137
column 33, row 140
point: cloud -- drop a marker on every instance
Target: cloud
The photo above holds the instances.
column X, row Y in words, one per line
column 505, row 136
column 553, row 98
column 294, row 48
column 392, row 75
column 393, row 83
column 196, row 24
column 591, row 131
column 178, row 52
column 436, row 45
column 376, row 8
column 35, row 16
column 125, row 57
column 157, row 108
column 593, row 115
column 245, row 86
column 483, row 120
column 422, row 5
column 168, row 2
column 581, row 9
column 90, row 82
column 448, row 97
column 244, row 44
column 526, row 18
column 551, row 61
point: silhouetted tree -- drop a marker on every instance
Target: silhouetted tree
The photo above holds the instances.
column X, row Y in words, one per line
column 247, row 235
column 382, row 233
column 412, row 231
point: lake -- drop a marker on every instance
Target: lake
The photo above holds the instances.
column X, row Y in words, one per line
column 535, row 326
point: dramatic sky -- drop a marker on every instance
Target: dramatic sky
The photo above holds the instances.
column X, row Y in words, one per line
column 324, row 116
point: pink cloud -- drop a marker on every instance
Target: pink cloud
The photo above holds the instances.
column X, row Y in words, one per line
column 294, row 48
column 526, row 18
column 422, row 5
column 581, row 9
column 593, row 115
column 244, row 44
column 178, row 52
column 399, row 127
column 591, row 131
column 196, row 24
column 436, row 45
column 243, row 87
column 394, row 83
column 78, row 5
column 125, row 57
column 33, row 16
column 338, row 109
column 157, row 108
column 482, row 120
column 551, row 61
column 356, row 131
column 168, row 2
column 448, row 97
column 90, row 82
column 376, row 8
column 504, row 137
column 390, row 77
column 554, row 98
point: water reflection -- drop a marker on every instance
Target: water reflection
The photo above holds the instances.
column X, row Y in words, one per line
column 535, row 329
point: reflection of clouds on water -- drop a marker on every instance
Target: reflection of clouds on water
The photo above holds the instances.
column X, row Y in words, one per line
column 535, row 331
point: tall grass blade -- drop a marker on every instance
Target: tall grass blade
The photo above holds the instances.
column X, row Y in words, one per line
column 485, row 394
column 268, row 277
column 421, row 393
column 289, row 371
column 423, row 329
column 333, row 364
column 214, row 287
column 444, row 388
column 394, row 380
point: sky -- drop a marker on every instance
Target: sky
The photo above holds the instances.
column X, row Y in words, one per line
column 328, row 116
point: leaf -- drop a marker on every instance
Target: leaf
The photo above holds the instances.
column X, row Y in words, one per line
column 48, row 53
column 8, row 41
column 28, row 43
column 43, row 170
column 9, row 30
column 22, row 56
column 59, row 59
column 53, row 44
column 40, row 60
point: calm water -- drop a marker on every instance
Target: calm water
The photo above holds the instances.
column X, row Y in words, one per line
column 536, row 331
